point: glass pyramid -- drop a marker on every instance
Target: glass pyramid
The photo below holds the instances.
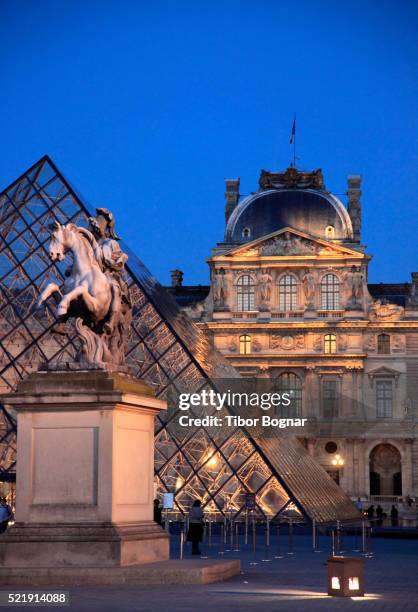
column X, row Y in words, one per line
column 165, row 349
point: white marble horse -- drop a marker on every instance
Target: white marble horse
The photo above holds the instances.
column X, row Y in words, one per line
column 87, row 291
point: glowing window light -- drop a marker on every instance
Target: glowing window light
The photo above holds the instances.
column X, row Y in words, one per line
column 353, row 584
column 335, row 583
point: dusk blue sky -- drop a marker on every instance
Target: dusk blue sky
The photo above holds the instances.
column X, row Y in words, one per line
column 146, row 107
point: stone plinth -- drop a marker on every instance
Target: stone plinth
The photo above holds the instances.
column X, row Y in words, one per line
column 85, row 463
column 187, row 571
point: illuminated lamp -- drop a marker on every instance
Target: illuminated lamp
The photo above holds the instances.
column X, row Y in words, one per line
column 346, row 576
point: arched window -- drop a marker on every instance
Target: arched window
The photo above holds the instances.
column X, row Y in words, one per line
column 245, row 293
column 245, row 344
column 330, row 292
column 289, row 383
column 383, row 344
column 288, row 292
column 246, row 232
column 330, row 343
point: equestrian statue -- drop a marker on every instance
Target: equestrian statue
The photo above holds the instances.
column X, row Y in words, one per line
column 94, row 291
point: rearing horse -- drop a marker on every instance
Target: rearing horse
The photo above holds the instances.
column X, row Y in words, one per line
column 87, row 290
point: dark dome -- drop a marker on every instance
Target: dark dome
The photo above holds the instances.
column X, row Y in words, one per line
column 306, row 210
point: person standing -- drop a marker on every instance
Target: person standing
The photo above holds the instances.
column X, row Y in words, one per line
column 195, row 533
column 394, row 514
column 157, row 512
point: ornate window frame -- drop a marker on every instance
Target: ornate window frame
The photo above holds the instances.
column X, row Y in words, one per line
column 293, row 293
column 330, row 293
column 245, row 293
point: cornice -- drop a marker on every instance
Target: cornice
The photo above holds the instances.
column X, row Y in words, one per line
column 369, row 326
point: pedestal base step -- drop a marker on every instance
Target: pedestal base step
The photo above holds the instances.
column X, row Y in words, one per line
column 193, row 571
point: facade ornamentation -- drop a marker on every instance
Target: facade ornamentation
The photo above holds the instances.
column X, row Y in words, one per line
column 264, row 290
column 382, row 310
column 256, row 346
column 288, row 244
column 94, row 292
column 370, row 343
column 287, row 342
column 300, row 341
column 291, row 178
column 398, row 343
column 220, row 289
column 355, row 280
column 308, row 284
column 413, row 294
column 318, row 344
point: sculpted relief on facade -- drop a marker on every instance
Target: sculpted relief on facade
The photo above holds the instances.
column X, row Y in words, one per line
column 288, row 244
column 384, row 311
column 220, row 289
column 264, row 289
column 308, row 284
column 287, row 342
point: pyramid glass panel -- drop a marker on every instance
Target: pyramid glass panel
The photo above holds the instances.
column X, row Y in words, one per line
column 165, row 349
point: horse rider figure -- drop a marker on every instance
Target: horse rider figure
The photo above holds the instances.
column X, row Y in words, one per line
column 112, row 260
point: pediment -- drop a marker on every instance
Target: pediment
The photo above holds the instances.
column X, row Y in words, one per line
column 290, row 242
column 383, row 372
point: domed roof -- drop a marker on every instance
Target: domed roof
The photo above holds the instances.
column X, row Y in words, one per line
column 309, row 209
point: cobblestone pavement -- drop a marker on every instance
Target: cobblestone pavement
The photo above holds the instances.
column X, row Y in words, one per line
column 294, row 583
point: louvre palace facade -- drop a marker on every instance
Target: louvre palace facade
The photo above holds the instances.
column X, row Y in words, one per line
column 289, row 299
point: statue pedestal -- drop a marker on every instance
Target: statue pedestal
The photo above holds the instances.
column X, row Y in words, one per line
column 353, row 313
column 85, row 459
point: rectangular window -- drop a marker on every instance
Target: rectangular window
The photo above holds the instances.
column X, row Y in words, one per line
column 245, row 299
column 384, row 398
column 287, row 293
column 330, row 398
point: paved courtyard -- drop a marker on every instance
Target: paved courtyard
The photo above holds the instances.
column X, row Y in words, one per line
column 294, row 583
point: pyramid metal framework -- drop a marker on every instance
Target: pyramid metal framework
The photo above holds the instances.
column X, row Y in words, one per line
column 165, row 349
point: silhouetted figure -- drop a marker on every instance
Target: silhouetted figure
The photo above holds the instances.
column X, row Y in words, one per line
column 195, row 532
column 157, row 512
column 394, row 514
column 379, row 515
column 5, row 515
column 409, row 501
column 370, row 512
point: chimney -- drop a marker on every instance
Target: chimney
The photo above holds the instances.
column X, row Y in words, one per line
column 176, row 278
column 354, row 204
column 231, row 196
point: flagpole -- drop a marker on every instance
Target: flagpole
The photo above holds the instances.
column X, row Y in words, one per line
column 294, row 142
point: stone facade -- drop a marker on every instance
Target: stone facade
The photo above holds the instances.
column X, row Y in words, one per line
column 293, row 303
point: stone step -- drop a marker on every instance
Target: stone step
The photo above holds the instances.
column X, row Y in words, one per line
column 187, row 571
